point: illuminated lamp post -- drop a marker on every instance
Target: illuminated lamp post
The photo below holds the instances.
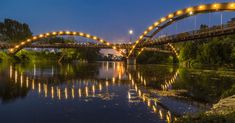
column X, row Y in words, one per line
column 131, row 32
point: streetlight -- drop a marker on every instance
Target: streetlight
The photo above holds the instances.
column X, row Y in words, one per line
column 131, row 32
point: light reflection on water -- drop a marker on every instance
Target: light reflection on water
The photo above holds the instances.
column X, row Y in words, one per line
column 90, row 92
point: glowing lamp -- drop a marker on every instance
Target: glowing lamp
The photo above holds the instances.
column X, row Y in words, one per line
column 179, row 12
column 163, row 19
column 150, row 28
column 81, row 34
column 170, row 16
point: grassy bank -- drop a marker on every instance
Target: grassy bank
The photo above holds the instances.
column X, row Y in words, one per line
column 208, row 118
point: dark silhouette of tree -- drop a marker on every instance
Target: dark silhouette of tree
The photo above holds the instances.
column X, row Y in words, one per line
column 14, row 30
column 203, row 26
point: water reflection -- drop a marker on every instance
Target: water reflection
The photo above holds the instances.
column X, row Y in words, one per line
column 107, row 81
column 168, row 83
column 152, row 102
column 95, row 84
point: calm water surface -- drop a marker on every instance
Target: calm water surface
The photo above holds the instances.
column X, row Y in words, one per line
column 106, row 92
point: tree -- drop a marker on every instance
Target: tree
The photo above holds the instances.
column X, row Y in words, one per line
column 188, row 51
column 154, row 58
column 203, row 26
column 53, row 40
column 233, row 55
column 14, row 30
column 217, row 51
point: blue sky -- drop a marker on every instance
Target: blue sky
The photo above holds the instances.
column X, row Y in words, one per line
column 110, row 19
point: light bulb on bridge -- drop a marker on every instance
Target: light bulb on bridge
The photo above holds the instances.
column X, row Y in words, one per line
column 179, row 12
column 29, row 40
column 191, row 13
column 11, row 50
column 202, row 7
column 232, row 5
column 145, row 32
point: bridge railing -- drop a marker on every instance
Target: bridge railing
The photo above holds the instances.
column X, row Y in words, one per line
column 195, row 34
column 68, row 45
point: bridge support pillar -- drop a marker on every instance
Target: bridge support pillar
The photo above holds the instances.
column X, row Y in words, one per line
column 131, row 61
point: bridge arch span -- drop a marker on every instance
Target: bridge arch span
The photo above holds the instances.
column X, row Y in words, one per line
column 178, row 15
column 35, row 38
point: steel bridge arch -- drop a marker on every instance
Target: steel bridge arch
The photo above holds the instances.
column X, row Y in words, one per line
column 178, row 15
column 35, row 38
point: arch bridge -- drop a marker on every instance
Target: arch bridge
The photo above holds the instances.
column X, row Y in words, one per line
column 147, row 38
column 174, row 17
column 39, row 37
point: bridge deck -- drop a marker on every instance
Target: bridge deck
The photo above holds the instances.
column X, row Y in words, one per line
column 215, row 31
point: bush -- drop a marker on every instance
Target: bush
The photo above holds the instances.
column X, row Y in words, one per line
column 215, row 51
column 154, row 58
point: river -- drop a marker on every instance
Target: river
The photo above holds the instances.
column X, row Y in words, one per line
column 107, row 92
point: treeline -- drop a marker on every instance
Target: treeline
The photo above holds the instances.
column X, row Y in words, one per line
column 214, row 51
column 150, row 57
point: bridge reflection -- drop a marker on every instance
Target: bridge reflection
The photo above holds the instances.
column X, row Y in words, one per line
column 76, row 87
column 168, row 83
column 152, row 102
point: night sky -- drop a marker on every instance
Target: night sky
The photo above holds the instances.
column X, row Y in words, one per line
column 110, row 19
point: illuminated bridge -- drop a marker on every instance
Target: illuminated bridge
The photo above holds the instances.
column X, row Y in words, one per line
column 176, row 16
column 147, row 40
column 69, row 45
column 215, row 31
column 78, row 45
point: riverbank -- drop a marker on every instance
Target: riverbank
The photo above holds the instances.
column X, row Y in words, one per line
column 223, row 107
column 222, row 112
column 201, row 90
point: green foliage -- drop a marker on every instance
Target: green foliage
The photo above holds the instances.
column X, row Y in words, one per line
column 14, row 30
column 233, row 55
column 88, row 54
column 53, row 40
column 7, row 58
column 3, row 56
column 154, row 58
column 188, row 51
column 215, row 51
column 23, row 56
